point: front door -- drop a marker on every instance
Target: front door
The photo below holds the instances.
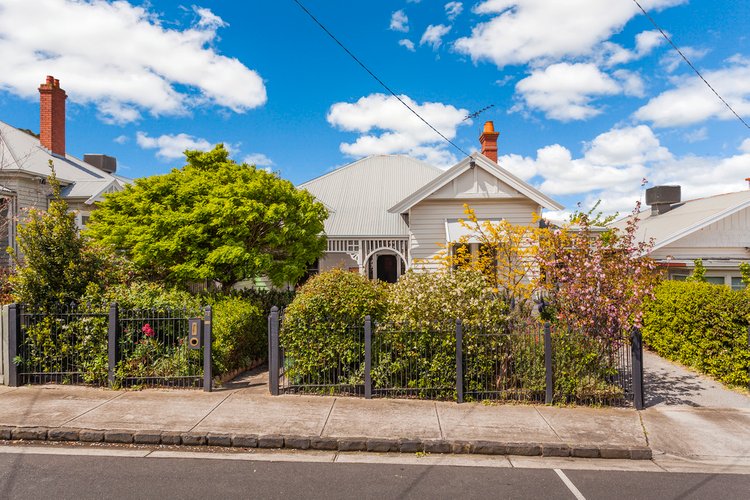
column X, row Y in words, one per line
column 388, row 268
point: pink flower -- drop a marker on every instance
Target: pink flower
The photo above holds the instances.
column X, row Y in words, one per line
column 147, row 330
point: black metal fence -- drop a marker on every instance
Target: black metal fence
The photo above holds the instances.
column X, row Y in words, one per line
column 84, row 344
column 529, row 362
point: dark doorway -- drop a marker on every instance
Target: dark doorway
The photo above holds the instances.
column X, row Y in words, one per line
column 387, row 268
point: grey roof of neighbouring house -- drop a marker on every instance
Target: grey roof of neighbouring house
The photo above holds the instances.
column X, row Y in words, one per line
column 22, row 152
column 360, row 194
column 686, row 218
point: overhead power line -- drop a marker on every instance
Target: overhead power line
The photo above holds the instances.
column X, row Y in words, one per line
column 684, row 57
column 382, row 84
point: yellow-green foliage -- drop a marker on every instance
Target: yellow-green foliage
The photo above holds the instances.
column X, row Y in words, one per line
column 703, row 326
column 443, row 297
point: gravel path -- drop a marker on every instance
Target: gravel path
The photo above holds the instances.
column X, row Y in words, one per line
column 671, row 384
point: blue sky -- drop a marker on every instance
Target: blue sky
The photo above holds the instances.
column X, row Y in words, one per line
column 587, row 98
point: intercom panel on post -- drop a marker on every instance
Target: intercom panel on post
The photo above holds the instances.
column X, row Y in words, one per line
column 195, row 335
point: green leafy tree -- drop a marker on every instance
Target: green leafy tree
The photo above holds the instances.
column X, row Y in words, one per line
column 213, row 219
column 55, row 264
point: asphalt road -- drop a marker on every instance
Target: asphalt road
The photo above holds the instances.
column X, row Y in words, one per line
column 82, row 477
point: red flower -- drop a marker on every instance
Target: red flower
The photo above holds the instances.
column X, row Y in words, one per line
column 147, row 330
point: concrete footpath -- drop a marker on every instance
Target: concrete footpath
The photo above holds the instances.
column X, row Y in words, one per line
column 248, row 418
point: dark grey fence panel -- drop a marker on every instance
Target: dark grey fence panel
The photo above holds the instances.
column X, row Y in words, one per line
column 513, row 361
column 105, row 345
column 153, row 349
column 505, row 363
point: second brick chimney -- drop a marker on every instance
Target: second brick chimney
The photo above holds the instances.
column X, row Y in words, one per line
column 52, row 116
column 488, row 139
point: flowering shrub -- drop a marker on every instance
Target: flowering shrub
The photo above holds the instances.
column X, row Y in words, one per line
column 597, row 283
column 506, row 258
column 424, row 298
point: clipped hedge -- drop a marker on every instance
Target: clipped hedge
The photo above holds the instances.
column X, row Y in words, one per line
column 240, row 333
column 316, row 334
column 703, row 326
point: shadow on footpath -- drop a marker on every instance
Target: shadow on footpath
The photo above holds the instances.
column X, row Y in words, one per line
column 670, row 389
column 254, row 381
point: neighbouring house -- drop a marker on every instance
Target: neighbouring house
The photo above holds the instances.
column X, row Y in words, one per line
column 715, row 229
column 24, row 168
column 388, row 212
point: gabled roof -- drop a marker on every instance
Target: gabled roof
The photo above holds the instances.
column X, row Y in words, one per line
column 360, row 193
column 22, row 152
column 459, row 168
column 686, row 218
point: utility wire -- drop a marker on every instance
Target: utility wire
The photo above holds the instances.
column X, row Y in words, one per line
column 666, row 37
column 386, row 87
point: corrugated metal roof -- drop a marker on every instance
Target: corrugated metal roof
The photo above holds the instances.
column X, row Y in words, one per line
column 686, row 218
column 20, row 151
column 361, row 193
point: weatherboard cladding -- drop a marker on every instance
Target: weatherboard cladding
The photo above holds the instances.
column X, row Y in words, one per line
column 428, row 221
column 361, row 193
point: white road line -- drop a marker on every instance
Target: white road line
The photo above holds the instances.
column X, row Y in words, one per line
column 570, row 485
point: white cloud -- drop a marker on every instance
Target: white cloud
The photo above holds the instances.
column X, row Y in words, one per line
column 387, row 127
column 631, row 82
column 614, row 163
column 122, row 58
column 399, row 21
column 257, row 159
column 433, row 35
column 453, row 10
column 121, row 139
column 407, row 44
column 172, row 146
column 691, row 102
column 564, row 91
column 697, row 135
column 612, row 54
column 521, row 31
column 672, row 60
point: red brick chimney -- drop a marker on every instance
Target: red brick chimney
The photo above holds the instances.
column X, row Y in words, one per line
column 52, row 116
column 488, row 139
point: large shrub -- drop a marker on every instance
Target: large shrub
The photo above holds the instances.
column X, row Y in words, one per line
column 240, row 333
column 703, row 326
column 423, row 297
column 321, row 333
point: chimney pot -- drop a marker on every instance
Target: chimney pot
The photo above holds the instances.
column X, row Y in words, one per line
column 52, row 116
column 488, row 140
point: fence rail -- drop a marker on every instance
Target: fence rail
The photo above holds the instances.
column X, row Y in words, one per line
column 529, row 362
column 84, row 344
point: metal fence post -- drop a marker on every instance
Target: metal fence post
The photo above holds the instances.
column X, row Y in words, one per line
column 207, row 341
column 459, row 361
column 368, row 357
column 636, row 346
column 273, row 360
column 549, row 382
column 14, row 328
column 113, row 344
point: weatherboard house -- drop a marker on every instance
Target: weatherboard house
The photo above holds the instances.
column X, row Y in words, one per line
column 24, row 169
column 388, row 212
column 715, row 229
